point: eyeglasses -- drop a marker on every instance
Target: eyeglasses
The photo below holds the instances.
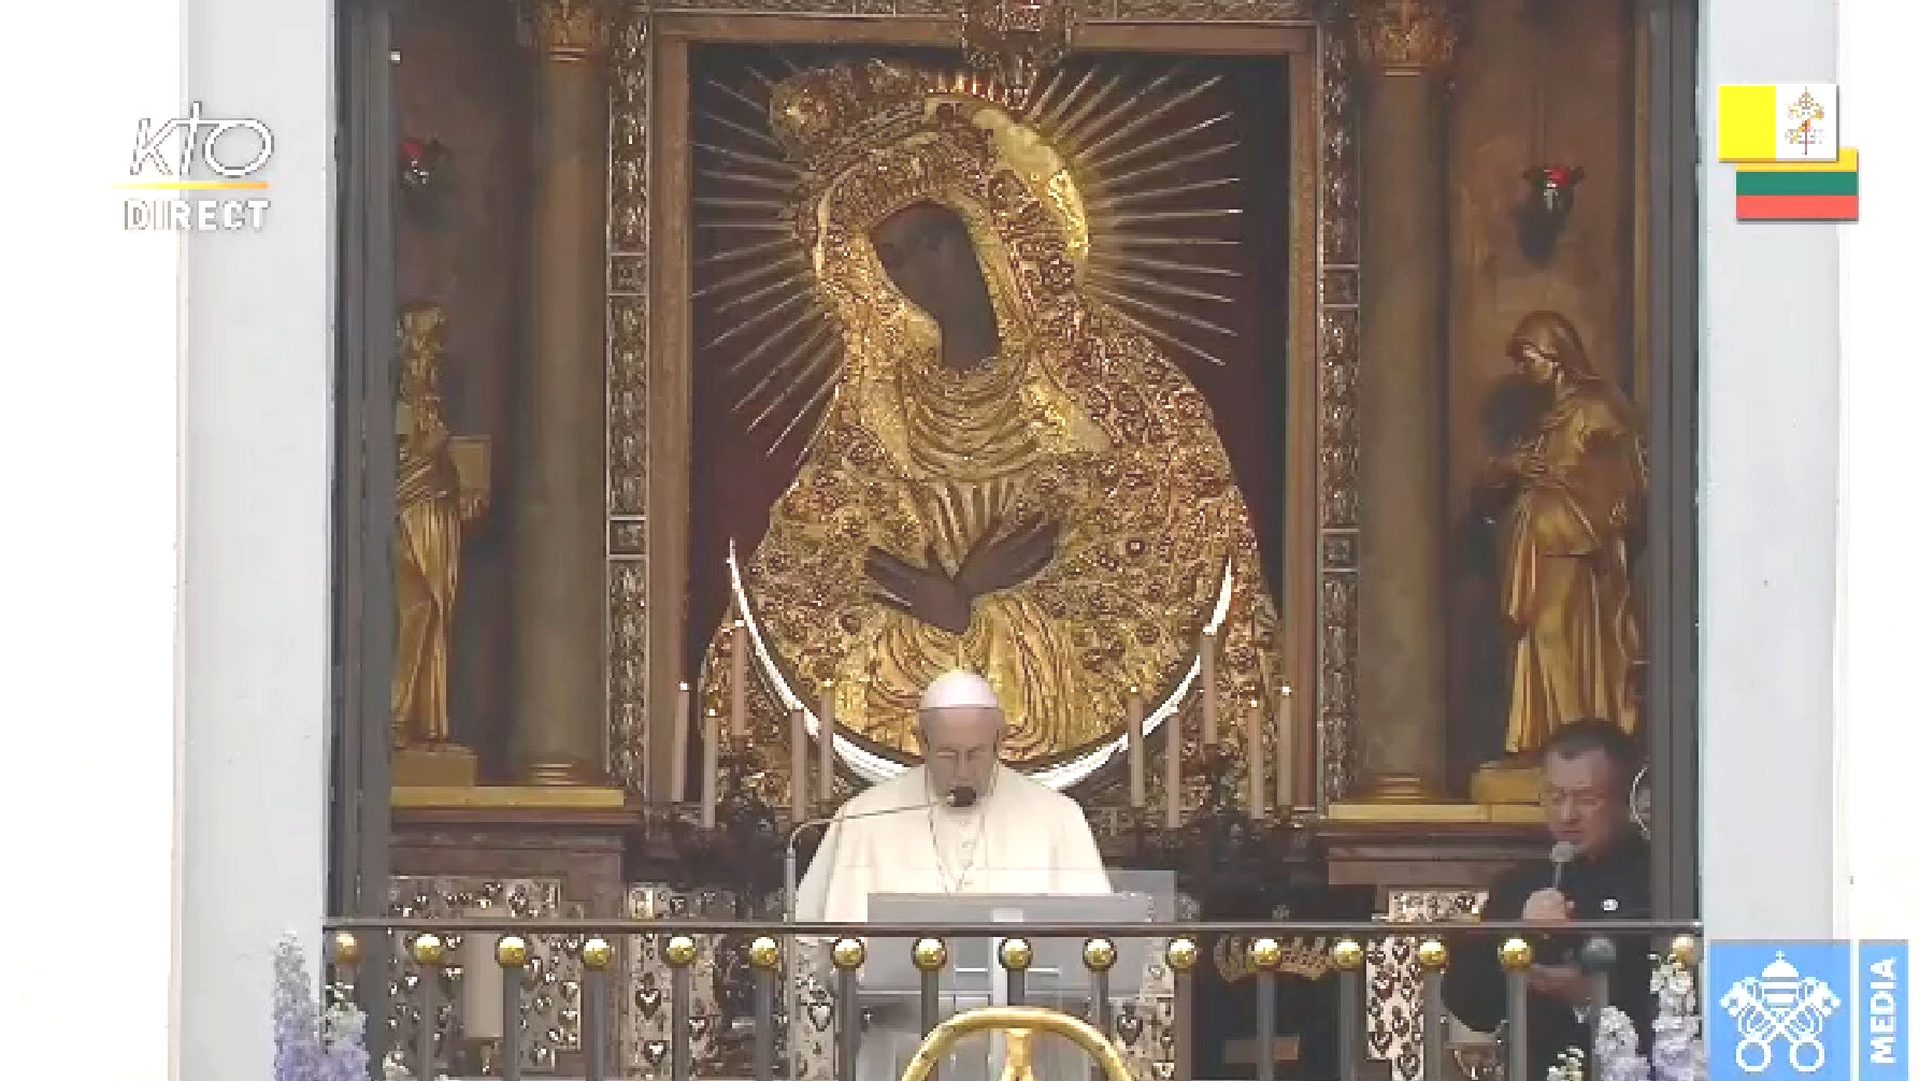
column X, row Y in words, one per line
column 1584, row 802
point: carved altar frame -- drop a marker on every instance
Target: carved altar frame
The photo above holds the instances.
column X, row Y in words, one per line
column 649, row 348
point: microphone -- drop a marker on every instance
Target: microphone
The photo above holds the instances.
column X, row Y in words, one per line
column 962, row 796
column 1562, row 854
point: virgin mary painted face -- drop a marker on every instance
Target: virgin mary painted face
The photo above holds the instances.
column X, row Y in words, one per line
column 928, row 253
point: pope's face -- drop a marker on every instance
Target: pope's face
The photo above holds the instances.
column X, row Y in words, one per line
column 962, row 745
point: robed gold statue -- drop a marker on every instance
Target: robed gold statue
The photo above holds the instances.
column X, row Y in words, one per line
column 1009, row 478
column 1574, row 490
column 441, row 484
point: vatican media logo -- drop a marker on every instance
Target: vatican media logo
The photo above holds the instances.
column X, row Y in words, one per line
column 1820, row 1010
column 1780, row 1005
column 168, row 152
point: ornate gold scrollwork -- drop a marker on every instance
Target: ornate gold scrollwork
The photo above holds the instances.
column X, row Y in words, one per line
column 567, row 29
column 1407, row 37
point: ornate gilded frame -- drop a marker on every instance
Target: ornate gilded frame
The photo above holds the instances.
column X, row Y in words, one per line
column 648, row 349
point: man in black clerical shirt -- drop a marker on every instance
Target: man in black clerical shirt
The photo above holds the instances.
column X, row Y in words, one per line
column 1587, row 771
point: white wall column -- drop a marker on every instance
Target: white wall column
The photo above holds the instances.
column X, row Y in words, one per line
column 1769, row 385
column 256, row 523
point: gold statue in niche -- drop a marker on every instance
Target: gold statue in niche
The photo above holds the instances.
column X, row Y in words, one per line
column 442, row 484
column 1576, row 486
column 1009, row 478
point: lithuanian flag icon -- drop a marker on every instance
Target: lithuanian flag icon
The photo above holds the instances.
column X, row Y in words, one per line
column 1799, row 190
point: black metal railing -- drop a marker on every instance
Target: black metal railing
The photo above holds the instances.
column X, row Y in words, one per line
column 769, row 947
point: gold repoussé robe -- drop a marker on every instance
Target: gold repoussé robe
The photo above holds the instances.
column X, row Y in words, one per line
column 1566, row 585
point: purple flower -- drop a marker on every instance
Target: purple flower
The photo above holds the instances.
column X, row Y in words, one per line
column 306, row 1045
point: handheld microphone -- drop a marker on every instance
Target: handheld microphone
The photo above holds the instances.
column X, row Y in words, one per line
column 1562, row 854
column 962, row 796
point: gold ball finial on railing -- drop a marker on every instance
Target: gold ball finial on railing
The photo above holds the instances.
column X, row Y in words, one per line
column 849, row 953
column 511, row 951
column 1099, row 954
column 1348, row 955
column 1182, row 954
column 428, row 949
column 346, row 949
column 1265, row 954
column 1685, row 950
column 1016, row 954
column 1432, row 955
column 681, row 951
column 764, row 953
column 1516, row 955
column 929, row 955
column 596, row 953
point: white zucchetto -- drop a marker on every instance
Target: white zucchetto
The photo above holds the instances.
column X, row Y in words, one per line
column 959, row 690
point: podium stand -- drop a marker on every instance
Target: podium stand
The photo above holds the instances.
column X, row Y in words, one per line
column 1057, row 978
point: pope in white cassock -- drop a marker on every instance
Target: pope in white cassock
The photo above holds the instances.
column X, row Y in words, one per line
column 965, row 823
column 1017, row 836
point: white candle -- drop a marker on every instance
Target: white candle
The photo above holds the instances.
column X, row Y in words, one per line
column 1283, row 795
column 826, row 744
column 1256, row 761
column 797, row 738
column 682, row 726
column 483, row 990
column 1209, row 714
column 710, row 770
column 739, row 657
column 1136, row 749
column 1174, row 751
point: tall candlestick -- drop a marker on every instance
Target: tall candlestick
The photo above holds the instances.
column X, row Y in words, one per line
column 826, row 743
column 1174, row 751
column 1283, row 796
column 797, row 738
column 1209, row 714
column 738, row 717
column 1136, row 749
column 1256, row 761
column 710, row 770
column 682, row 732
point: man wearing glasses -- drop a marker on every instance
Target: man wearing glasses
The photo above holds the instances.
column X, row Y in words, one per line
column 1599, row 869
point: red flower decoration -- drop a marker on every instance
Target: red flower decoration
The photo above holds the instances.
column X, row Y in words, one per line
column 1556, row 176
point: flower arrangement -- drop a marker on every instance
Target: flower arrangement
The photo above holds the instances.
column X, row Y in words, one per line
column 309, row 1044
column 1678, row 1052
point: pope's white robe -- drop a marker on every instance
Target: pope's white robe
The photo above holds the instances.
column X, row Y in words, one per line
column 1021, row 837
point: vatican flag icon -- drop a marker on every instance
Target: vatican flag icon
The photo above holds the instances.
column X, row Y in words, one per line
column 1774, row 1010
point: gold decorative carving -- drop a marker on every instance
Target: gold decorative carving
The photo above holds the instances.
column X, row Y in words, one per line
column 647, row 1023
column 1013, row 40
column 628, row 734
column 1338, row 437
column 1407, row 37
column 568, row 30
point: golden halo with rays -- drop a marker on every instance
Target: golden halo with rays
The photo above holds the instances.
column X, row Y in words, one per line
column 1160, row 202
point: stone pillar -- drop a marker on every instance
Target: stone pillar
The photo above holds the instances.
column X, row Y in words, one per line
column 1406, row 46
column 559, row 497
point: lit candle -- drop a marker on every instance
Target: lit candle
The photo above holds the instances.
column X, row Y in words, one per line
column 1174, row 751
column 739, row 657
column 1209, row 714
column 1285, row 737
column 797, row 735
column 1256, row 761
column 1136, row 749
column 682, row 731
column 826, row 743
column 710, row 770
